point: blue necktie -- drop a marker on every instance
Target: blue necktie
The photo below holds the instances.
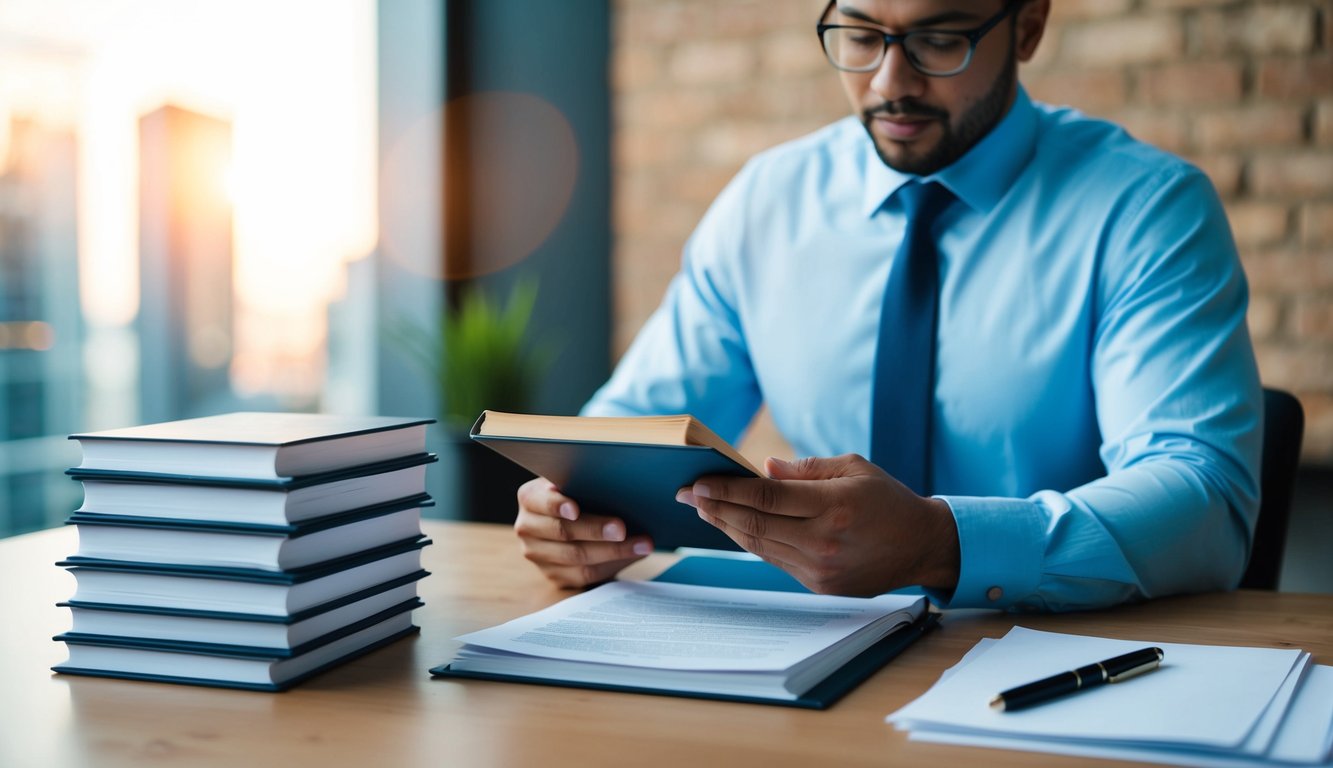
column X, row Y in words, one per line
column 904, row 385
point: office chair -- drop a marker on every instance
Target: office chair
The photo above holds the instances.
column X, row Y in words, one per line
column 1284, row 425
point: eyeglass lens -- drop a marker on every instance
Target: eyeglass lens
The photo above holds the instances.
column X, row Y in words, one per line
column 862, row 49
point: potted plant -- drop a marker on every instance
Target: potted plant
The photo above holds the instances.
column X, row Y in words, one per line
column 483, row 358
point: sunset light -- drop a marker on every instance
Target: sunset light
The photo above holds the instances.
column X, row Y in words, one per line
column 295, row 80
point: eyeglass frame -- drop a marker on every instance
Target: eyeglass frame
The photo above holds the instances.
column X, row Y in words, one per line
column 973, row 37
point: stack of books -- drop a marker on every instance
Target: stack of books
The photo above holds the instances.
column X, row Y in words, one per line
column 247, row 550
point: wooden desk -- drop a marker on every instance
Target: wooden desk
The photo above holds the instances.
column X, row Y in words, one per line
column 383, row 709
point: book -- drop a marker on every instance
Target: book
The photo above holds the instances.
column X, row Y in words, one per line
column 794, row 649
column 253, row 445
column 232, row 666
column 627, row 467
column 233, row 545
column 242, row 590
column 254, row 630
column 247, row 549
column 271, row 502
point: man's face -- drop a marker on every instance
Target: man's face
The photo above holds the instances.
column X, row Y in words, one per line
column 919, row 123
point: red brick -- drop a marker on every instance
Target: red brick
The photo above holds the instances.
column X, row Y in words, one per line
column 730, row 145
column 1256, row 224
column 814, row 101
column 1072, row 10
column 1126, row 40
column 1240, row 127
column 1096, row 91
column 1256, row 29
column 665, row 109
column 1317, row 224
column 1295, row 78
column 752, row 18
column 1318, row 445
column 704, row 62
column 660, row 219
column 657, row 21
column 1161, row 128
column 698, row 186
column 639, row 149
column 1186, row 4
column 1312, row 319
column 793, row 52
column 1323, row 123
column 1264, row 316
column 1223, row 170
column 1047, row 57
column 1295, row 366
column 1326, row 17
column 1300, row 175
column 1191, row 83
column 635, row 67
column 1288, row 270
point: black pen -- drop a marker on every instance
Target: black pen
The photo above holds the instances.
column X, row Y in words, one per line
column 1109, row 671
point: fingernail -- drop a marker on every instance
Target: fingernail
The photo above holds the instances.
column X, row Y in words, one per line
column 685, row 497
column 702, row 491
column 643, row 548
column 613, row 532
column 567, row 511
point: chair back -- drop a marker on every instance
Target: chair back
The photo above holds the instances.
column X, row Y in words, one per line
column 1284, row 426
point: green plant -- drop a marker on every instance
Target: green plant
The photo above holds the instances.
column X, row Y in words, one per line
column 482, row 357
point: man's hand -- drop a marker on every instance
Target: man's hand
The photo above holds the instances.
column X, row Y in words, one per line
column 840, row 526
column 572, row 549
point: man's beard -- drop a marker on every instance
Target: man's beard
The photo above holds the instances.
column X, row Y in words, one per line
column 953, row 143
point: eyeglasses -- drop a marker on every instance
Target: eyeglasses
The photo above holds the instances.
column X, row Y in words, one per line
column 937, row 53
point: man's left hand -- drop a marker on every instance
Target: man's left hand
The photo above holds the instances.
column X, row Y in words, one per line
column 839, row 526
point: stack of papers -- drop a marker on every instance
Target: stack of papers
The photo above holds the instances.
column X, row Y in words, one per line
column 1205, row 705
column 690, row 640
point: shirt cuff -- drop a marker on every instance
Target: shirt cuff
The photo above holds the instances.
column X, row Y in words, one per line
column 1001, row 544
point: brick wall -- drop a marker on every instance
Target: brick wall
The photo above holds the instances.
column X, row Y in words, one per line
column 1243, row 88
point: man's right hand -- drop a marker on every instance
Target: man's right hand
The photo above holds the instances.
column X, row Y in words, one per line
column 572, row 549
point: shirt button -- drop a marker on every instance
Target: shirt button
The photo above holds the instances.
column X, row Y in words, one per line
column 994, row 593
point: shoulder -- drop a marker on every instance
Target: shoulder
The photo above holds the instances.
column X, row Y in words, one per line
column 1077, row 153
column 1152, row 216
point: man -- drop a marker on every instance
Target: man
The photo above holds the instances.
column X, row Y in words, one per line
column 1089, row 424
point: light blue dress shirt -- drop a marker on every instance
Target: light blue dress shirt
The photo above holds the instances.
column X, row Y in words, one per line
column 1097, row 406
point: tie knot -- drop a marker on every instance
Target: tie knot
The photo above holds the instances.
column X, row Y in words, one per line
column 924, row 201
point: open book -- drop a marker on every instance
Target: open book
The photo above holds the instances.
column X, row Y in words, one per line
column 688, row 640
column 627, row 467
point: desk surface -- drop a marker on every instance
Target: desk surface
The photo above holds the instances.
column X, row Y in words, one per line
column 383, row 709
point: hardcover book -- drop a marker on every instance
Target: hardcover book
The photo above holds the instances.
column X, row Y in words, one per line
column 241, row 590
column 261, row 502
column 231, row 628
column 227, row 666
column 627, row 467
column 238, row 545
column 253, row 445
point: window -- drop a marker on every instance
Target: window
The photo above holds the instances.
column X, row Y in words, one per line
column 185, row 189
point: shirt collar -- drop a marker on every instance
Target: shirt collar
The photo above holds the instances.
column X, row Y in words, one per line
column 979, row 178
